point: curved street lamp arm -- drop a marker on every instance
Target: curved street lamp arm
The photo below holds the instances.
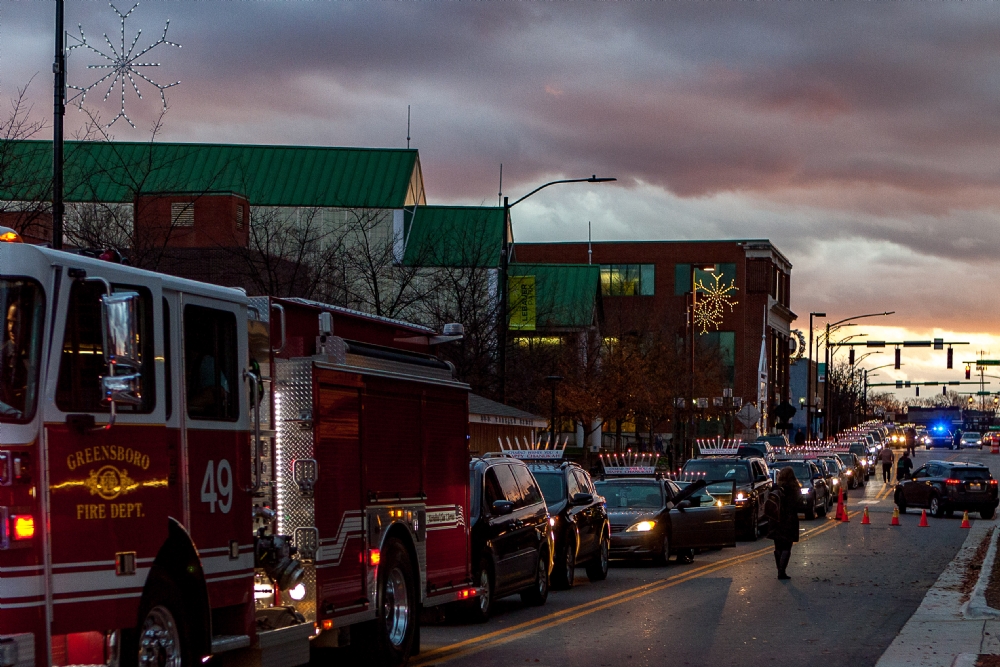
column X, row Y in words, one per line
column 592, row 179
column 858, row 317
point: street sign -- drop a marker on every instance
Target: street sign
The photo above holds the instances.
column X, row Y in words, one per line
column 718, row 401
column 749, row 414
column 702, row 402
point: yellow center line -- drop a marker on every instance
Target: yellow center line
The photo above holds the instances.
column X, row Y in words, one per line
column 515, row 632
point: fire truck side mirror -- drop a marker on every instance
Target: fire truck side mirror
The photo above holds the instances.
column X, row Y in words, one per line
column 120, row 327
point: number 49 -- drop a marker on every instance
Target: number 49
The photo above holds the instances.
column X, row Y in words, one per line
column 223, row 477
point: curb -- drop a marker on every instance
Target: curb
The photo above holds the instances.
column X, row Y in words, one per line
column 965, row 660
column 976, row 607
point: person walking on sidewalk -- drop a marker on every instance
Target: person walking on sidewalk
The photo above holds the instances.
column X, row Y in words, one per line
column 903, row 466
column 782, row 509
column 886, row 457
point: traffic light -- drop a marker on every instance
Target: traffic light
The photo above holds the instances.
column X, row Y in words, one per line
column 951, row 358
column 971, row 400
column 899, row 358
column 850, row 357
column 968, row 372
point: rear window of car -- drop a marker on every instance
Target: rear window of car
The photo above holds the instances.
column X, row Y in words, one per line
column 859, row 449
column 969, row 473
column 551, row 483
column 802, row 470
column 629, row 494
column 714, row 471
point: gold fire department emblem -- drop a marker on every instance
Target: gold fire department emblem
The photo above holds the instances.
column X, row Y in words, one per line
column 109, row 482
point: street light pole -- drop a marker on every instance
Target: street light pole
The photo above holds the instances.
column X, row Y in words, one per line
column 809, row 379
column 508, row 240
column 58, row 113
column 694, row 304
column 553, row 380
column 826, row 385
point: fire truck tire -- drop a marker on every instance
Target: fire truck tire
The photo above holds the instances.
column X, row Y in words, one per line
column 162, row 636
column 538, row 592
column 392, row 635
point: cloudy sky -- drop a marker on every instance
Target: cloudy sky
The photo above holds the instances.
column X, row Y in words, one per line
column 860, row 137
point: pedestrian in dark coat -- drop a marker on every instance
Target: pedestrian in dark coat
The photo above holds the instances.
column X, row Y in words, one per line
column 785, row 529
column 903, row 467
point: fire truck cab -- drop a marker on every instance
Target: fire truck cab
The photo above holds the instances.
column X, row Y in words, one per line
column 189, row 474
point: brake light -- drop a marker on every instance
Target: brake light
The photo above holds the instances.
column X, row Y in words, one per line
column 466, row 593
column 23, row 526
column 374, row 556
column 993, row 482
column 953, row 482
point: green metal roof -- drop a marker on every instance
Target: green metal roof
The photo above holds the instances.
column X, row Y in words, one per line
column 454, row 236
column 565, row 295
column 266, row 175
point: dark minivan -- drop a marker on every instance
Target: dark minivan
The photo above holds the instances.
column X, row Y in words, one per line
column 510, row 536
column 752, row 485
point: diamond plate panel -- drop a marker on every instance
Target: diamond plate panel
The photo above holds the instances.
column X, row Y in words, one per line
column 294, row 440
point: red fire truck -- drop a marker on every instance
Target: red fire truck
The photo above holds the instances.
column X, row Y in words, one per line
column 187, row 473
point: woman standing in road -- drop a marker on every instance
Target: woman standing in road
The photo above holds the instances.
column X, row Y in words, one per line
column 783, row 518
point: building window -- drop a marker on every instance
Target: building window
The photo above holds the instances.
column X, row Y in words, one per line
column 682, row 276
column 724, row 344
column 182, row 214
column 628, row 279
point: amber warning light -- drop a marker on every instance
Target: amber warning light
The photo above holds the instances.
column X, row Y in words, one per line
column 23, row 526
column 8, row 235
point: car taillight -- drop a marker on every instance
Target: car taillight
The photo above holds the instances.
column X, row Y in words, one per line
column 993, row 482
column 952, row 482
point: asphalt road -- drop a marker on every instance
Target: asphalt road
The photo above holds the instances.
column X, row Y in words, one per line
column 852, row 589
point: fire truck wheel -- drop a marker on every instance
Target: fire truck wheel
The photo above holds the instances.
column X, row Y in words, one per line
column 479, row 610
column 162, row 635
column 395, row 627
column 538, row 593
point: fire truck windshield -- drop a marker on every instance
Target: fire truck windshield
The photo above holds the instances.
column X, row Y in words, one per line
column 23, row 305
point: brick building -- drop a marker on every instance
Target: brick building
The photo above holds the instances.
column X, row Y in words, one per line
column 653, row 279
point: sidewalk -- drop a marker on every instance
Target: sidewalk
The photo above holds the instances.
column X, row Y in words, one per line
column 939, row 634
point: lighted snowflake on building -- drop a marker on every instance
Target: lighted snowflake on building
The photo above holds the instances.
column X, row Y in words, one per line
column 712, row 301
column 122, row 63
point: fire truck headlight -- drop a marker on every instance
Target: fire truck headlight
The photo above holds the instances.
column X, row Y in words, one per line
column 298, row 592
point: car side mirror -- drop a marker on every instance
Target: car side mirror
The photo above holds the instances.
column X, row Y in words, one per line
column 501, row 507
column 120, row 330
column 583, row 498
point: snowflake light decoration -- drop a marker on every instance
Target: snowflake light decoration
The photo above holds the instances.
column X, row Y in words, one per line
column 123, row 63
column 712, row 301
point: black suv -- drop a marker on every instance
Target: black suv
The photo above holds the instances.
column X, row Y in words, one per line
column 855, row 471
column 946, row 486
column 510, row 538
column 579, row 521
column 753, row 483
column 816, row 495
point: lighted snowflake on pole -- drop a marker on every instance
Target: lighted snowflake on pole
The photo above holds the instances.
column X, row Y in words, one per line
column 712, row 301
column 123, row 63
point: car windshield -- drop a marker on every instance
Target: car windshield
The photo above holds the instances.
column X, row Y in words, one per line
column 969, row 473
column 970, row 436
column 846, row 458
column 630, row 494
column 716, row 470
column 23, row 306
column 551, row 484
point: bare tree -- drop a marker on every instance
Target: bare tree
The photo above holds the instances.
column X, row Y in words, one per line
column 26, row 208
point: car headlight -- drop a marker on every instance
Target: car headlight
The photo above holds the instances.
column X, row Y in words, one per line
column 641, row 527
column 805, row 491
column 850, row 472
column 741, row 497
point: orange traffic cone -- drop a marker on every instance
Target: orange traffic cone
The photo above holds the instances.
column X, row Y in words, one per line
column 844, row 516
column 923, row 519
column 864, row 519
column 840, row 505
column 895, row 517
column 965, row 520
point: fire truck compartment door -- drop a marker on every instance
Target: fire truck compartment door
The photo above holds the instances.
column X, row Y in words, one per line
column 340, row 562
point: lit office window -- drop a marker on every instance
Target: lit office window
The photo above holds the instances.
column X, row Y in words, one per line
column 628, row 279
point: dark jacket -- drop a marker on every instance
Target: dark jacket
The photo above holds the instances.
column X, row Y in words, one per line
column 903, row 467
column 787, row 527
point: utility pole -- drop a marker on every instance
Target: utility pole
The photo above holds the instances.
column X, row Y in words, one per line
column 58, row 114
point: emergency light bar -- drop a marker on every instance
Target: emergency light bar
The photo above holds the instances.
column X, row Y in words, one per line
column 629, row 463
column 718, row 446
